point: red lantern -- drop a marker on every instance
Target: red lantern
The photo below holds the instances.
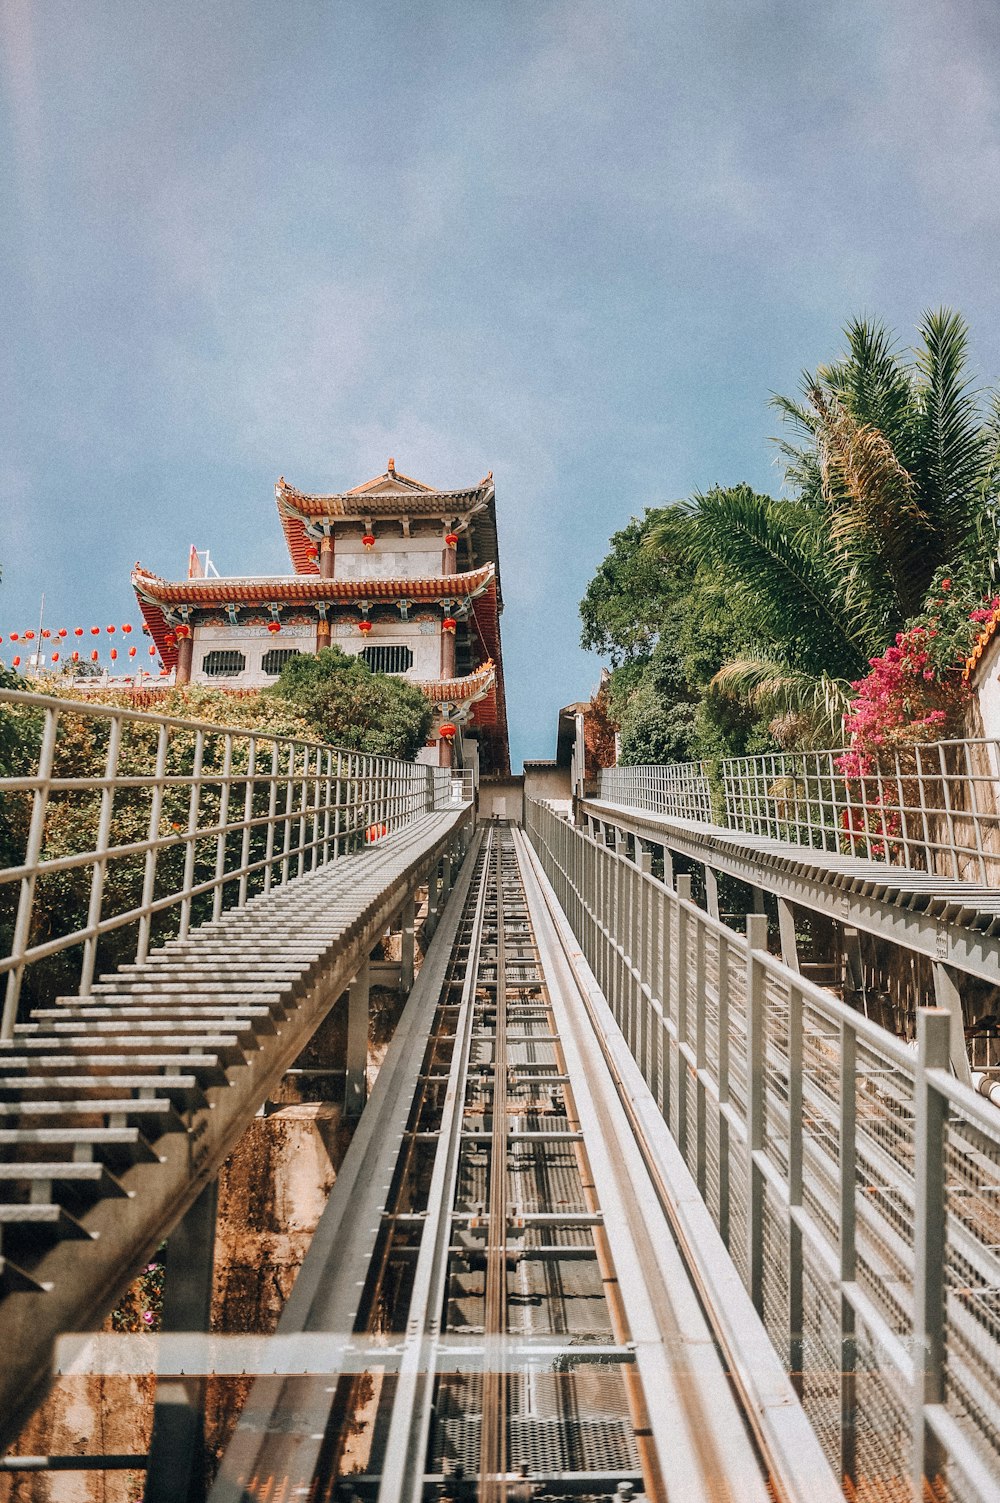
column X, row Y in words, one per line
column 14, row 636
column 61, row 633
column 95, row 631
column 1, row 639
column 182, row 631
column 368, row 540
column 448, row 624
column 152, row 652
column 55, row 657
column 170, row 640
column 94, row 655
column 131, row 652
column 46, row 633
column 110, row 628
column 274, row 626
column 126, row 629
column 78, row 631
column 451, row 539
column 114, row 653
column 447, row 731
column 76, row 657
column 16, row 662
column 312, row 551
column 364, row 627
column 29, row 636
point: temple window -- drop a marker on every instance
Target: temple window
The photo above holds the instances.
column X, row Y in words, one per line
column 388, row 659
column 223, row 663
column 273, row 661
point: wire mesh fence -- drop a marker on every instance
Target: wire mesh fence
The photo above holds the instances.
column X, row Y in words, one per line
column 931, row 806
column 119, row 829
column 854, row 1182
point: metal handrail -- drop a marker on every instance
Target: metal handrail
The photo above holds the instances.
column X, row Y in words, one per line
column 152, row 822
column 856, row 1184
column 930, row 806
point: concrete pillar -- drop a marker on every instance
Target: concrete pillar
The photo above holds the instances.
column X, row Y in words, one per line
column 408, row 946
column 683, row 886
column 176, row 1450
column 757, row 894
column 643, row 857
column 185, row 653
column 786, row 930
column 948, row 996
column 712, row 891
column 355, row 1088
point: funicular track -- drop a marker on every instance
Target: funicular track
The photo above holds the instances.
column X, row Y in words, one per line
column 512, row 1316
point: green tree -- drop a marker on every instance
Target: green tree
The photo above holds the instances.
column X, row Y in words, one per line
column 347, row 705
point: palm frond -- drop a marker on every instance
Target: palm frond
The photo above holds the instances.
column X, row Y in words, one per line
column 875, row 520
column 954, row 447
column 777, row 556
column 772, row 687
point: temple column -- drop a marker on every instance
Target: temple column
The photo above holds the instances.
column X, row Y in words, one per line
column 449, row 557
column 185, row 653
column 448, row 654
column 444, row 752
column 326, row 556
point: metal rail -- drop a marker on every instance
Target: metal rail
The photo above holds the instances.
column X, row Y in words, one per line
column 855, row 1185
column 932, row 806
column 128, row 828
column 505, row 1298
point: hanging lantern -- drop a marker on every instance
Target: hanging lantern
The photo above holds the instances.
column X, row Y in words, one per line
column 312, row 551
column 46, row 633
column 364, row 627
column 448, row 624
column 368, row 540
column 55, row 657
column 61, row 633
column 126, row 629
column 110, row 628
column 76, row 657
column 78, row 631
column 29, row 636
column 447, row 731
column 170, row 640
column 164, row 672
column 94, row 655
column 95, row 631
column 16, row 662
column 114, row 653
column 451, row 539
column 14, row 636
column 131, row 652
column 274, row 626
column 182, row 631
column 152, row 652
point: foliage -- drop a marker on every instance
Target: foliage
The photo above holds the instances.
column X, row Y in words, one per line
column 141, row 1306
column 347, row 705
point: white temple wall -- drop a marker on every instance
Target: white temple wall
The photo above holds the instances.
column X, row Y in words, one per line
column 423, row 638
column 391, row 558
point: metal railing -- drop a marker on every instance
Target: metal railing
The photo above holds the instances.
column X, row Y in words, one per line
column 855, row 1183
column 932, row 806
column 119, row 829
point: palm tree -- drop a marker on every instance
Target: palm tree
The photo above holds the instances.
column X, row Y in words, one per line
column 894, row 472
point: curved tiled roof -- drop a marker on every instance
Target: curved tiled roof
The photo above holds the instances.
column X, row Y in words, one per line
column 388, row 495
column 157, row 595
column 473, row 687
column 982, row 642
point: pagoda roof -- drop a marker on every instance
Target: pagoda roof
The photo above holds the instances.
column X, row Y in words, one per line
column 470, row 689
column 161, row 600
column 390, row 496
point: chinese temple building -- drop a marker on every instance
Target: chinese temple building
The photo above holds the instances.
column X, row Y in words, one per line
column 405, row 576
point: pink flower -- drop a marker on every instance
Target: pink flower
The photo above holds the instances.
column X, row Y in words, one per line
column 946, row 584
column 148, row 1317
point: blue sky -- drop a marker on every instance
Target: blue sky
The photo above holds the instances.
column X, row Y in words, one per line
column 576, row 243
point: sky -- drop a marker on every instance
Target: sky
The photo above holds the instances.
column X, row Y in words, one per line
column 575, row 242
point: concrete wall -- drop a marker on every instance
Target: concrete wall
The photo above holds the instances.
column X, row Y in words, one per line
column 545, row 782
column 988, row 689
column 422, row 637
column 502, row 797
column 392, row 557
